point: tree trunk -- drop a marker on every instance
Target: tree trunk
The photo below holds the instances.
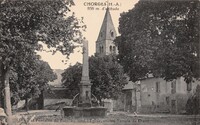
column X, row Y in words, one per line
column 7, row 98
column 1, row 94
column 1, row 101
column 1, row 86
column 26, row 104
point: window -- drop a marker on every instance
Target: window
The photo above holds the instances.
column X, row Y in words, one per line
column 167, row 100
column 189, row 86
column 112, row 33
column 111, row 49
column 157, row 86
column 173, row 87
column 101, row 49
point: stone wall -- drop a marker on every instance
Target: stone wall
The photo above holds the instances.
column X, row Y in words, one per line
column 118, row 105
column 108, row 103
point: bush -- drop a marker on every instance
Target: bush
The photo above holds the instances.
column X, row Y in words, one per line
column 193, row 105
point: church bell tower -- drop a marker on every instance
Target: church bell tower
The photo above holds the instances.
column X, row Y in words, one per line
column 104, row 43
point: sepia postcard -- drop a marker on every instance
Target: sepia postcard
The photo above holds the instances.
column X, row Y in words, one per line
column 99, row 62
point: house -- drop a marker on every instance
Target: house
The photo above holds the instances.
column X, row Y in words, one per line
column 158, row 95
column 130, row 100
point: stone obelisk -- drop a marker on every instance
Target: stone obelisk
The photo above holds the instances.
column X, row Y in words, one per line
column 85, row 84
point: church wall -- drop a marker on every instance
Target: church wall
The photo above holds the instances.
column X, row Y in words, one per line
column 108, row 44
column 97, row 47
column 106, row 47
column 106, row 36
column 100, row 44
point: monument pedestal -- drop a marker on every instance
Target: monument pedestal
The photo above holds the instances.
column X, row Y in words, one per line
column 84, row 108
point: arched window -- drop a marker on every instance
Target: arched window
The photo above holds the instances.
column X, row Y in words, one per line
column 111, row 33
column 111, row 49
column 102, row 49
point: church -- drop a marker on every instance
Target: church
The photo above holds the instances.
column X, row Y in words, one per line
column 149, row 95
column 107, row 34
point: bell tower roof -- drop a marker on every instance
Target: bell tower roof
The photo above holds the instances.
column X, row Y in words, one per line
column 107, row 34
column 107, row 31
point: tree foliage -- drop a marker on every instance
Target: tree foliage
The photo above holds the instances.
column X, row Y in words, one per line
column 71, row 77
column 106, row 75
column 30, row 79
column 23, row 23
column 193, row 103
column 160, row 37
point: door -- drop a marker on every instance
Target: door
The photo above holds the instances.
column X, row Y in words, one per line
column 128, row 101
column 173, row 106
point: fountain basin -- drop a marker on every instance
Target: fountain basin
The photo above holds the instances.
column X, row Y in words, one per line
column 84, row 111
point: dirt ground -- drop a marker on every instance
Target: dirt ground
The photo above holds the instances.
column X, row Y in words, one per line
column 51, row 117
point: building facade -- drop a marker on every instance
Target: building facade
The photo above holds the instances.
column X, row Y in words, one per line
column 160, row 96
column 130, row 100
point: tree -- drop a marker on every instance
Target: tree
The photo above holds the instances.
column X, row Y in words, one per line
column 25, row 22
column 193, row 103
column 71, row 77
column 106, row 75
column 161, row 38
column 30, row 79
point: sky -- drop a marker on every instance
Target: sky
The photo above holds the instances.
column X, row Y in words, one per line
column 93, row 17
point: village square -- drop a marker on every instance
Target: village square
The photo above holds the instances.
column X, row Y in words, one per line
column 145, row 71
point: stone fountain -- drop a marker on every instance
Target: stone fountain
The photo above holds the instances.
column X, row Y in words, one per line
column 84, row 108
